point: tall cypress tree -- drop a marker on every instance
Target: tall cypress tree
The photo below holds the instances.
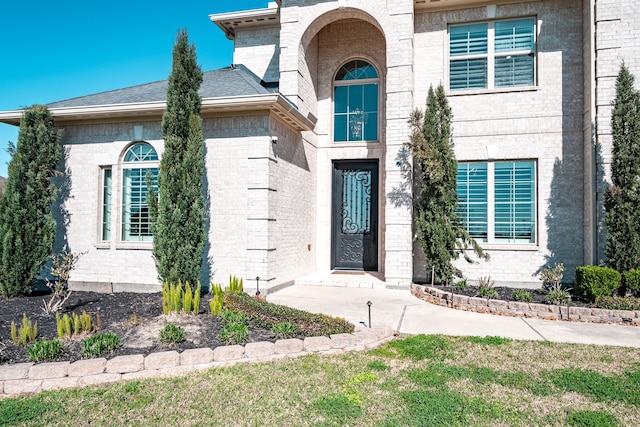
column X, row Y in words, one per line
column 177, row 215
column 622, row 197
column 27, row 226
column 440, row 231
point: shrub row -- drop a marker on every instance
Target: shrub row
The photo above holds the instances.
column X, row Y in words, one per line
column 265, row 314
column 618, row 303
column 593, row 282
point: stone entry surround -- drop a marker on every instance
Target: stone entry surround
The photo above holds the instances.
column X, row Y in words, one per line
column 25, row 378
column 523, row 309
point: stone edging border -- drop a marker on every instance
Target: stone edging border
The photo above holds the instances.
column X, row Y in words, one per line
column 523, row 309
column 21, row 378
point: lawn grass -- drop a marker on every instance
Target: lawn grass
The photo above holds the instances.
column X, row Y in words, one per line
column 419, row 381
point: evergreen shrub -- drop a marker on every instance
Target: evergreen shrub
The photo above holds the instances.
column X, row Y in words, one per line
column 593, row 281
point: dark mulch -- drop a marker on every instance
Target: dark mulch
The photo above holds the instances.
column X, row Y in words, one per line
column 116, row 311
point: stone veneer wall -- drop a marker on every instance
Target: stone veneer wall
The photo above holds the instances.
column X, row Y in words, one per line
column 24, row 378
column 523, row 309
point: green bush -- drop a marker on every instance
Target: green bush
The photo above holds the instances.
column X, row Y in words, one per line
column 558, row 297
column 522, row 295
column 284, row 330
column 631, row 282
column 171, row 334
column 618, row 303
column 97, row 345
column 486, row 292
column 234, row 333
column 593, row 281
column 48, row 351
column 265, row 314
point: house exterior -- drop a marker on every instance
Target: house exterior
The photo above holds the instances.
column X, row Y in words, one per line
column 307, row 176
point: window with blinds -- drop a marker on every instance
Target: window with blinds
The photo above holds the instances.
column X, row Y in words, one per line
column 492, row 55
column 496, row 201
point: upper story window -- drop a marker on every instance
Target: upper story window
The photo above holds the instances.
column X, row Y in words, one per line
column 355, row 103
column 139, row 160
column 493, row 54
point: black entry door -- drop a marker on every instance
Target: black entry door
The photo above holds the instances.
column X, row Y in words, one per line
column 355, row 215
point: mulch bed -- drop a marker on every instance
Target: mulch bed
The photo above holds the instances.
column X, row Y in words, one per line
column 136, row 318
column 506, row 294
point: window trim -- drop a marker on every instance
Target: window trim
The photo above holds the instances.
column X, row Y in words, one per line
column 491, row 241
column 103, row 242
column 341, row 83
column 491, row 55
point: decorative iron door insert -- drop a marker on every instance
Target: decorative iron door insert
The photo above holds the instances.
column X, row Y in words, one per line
column 355, row 215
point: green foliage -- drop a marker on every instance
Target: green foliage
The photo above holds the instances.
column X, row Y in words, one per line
column 171, row 334
column 18, row 411
column 26, row 334
column 618, row 303
column 177, row 212
column 588, row 418
column 216, row 290
column 593, row 281
column 27, row 226
column 440, row 231
column 631, row 283
column 234, row 333
column 338, row 408
column 559, row 297
column 100, row 344
column 266, row 314
column 215, row 305
column 378, row 365
column 522, row 295
column 68, row 326
column 462, row 284
column 421, row 347
column 284, row 330
column 235, row 284
column 48, row 350
column 177, row 298
column 622, row 197
column 489, row 293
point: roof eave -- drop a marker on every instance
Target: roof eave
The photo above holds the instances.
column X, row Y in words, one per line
column 275, row 103
column 228, row 22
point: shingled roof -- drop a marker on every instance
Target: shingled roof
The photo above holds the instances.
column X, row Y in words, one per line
column 221, row 83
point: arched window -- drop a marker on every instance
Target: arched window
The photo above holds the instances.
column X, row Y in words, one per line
column 139, row 161
column 355, row 102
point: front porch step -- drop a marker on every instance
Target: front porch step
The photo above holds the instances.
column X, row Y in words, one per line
column 349, row 279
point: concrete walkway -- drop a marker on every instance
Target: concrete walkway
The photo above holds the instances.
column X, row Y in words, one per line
column 407, row 314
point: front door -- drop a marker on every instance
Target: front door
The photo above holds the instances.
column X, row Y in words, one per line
column 355, row 215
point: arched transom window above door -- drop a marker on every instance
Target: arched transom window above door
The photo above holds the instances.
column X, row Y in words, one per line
column 356, row 103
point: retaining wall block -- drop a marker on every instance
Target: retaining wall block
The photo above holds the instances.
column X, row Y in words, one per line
column 478, row 302
column 461, row 299
column 124, row 364
column 497, row 305
column 196, row 356
column 580, row 311
column 58, row 383
column 81, row 368
column 20, row 386
column 230, row 352
column 259, row 349
column 165, row 359
column 43, row 371
column 289, row 346
column 317, row 343
column 342, row 340
column 101, row 379
column 15, row 372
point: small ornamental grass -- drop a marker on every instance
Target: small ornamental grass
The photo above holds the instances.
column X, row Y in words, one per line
column 171, row 334
column 45, row 351
column 100, row 344
column 180, row 298
column 26, row 334
column 74, row 325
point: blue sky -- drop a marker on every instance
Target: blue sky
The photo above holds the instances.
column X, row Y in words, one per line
column 55, row 50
